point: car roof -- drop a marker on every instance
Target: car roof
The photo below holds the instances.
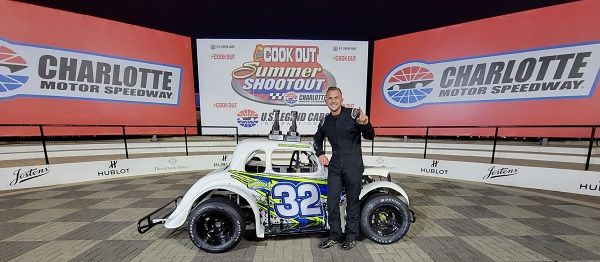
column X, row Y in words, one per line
column 270, row 145
column 247, row 146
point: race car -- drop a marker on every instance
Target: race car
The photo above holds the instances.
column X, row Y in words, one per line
column 278, row 188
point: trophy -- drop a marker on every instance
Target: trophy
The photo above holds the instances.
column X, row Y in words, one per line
column 293, row 135
column 355, row 113
column 275, row 133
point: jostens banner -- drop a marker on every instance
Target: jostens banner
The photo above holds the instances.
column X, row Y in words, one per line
column 538, row 67
column 242, row 81
column 58, row 67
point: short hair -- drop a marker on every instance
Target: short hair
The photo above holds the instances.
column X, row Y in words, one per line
column 333, row 88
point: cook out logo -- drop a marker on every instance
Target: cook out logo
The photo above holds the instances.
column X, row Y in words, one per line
column 283, row 75
column 27, row 70
column 546, row 73
column 247, row 118
column 13, row 63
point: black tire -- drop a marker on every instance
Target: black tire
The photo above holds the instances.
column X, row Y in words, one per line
column 384, row 219
column 216, row 225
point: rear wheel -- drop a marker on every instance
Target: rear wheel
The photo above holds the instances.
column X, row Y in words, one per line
column 216, row 225
column 384, row 219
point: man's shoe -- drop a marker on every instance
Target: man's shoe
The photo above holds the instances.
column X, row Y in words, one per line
column 347, row 245
column 327, row 243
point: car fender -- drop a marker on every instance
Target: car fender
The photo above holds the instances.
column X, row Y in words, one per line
column 384, row 184
column 207, row 184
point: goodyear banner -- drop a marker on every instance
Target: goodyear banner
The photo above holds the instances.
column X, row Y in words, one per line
column 62, row 68
column 242, row 81
column 526, row 68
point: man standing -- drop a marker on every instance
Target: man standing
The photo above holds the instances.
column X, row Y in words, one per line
column 343, row 129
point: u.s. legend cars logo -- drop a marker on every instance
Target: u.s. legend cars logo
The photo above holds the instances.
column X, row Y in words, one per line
column 283, row 75
column 27, row 70
column 548, row 73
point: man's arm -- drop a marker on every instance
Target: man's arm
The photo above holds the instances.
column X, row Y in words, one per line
column 319, row 137
column 368, row 132
column 365, row 126
column 318, row 143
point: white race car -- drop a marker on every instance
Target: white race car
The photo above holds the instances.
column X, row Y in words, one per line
column 279, row 188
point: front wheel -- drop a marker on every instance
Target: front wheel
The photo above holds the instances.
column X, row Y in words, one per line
column 384, row 219
column 216, row 225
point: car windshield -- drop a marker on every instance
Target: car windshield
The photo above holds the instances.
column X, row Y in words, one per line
column 293, row 162
column 256, row 162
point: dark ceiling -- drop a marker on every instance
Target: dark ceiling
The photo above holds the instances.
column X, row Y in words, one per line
column 287, row 19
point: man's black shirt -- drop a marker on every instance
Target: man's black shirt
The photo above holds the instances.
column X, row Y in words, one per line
column 343, row 133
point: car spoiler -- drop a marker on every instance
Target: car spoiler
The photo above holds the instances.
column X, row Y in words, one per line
column 146, row 223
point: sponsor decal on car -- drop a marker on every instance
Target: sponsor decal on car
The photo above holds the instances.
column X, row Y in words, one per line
column 293, row 200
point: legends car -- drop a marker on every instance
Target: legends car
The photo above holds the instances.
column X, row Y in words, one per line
column 278, row 188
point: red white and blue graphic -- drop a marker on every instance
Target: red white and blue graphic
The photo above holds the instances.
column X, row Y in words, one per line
column 247, row 118
column 290, row 98
column 408, row 85
column 10, row 65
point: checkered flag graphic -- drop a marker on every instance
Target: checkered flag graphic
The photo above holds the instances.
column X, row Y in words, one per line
column 276, row 96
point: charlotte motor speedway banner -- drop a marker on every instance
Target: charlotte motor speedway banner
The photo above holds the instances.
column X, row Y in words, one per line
column 242, row 81
column 527, row 68
column 63, row 68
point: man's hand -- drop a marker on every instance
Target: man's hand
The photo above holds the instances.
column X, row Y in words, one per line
column 362, row 119
column 324, row 160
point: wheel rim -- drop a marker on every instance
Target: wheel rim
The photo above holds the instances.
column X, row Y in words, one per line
column 385, row 220
column 215, row 228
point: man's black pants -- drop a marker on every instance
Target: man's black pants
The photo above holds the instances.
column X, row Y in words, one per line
column 345, row 171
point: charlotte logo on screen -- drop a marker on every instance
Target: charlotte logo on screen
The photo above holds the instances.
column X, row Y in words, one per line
column 11, row 70
column 408, row 85
column 546, row 73
column 247, row 118
column 283, row 75
column 28, row 70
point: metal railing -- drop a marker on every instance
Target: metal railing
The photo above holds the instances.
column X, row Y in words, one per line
column 427, row 136
column 44, row 137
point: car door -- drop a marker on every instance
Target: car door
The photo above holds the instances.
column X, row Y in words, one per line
column 298, row 193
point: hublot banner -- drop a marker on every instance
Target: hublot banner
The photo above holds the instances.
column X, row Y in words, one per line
column 113, row 170
column 590, row 187
column 222, row 163
column 434, row 169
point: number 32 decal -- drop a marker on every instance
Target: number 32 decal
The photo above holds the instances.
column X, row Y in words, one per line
column 297, row 200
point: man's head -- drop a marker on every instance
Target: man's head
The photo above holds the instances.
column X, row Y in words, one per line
column 334, row 99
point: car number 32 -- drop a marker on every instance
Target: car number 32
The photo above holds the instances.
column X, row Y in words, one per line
column 299, row 200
